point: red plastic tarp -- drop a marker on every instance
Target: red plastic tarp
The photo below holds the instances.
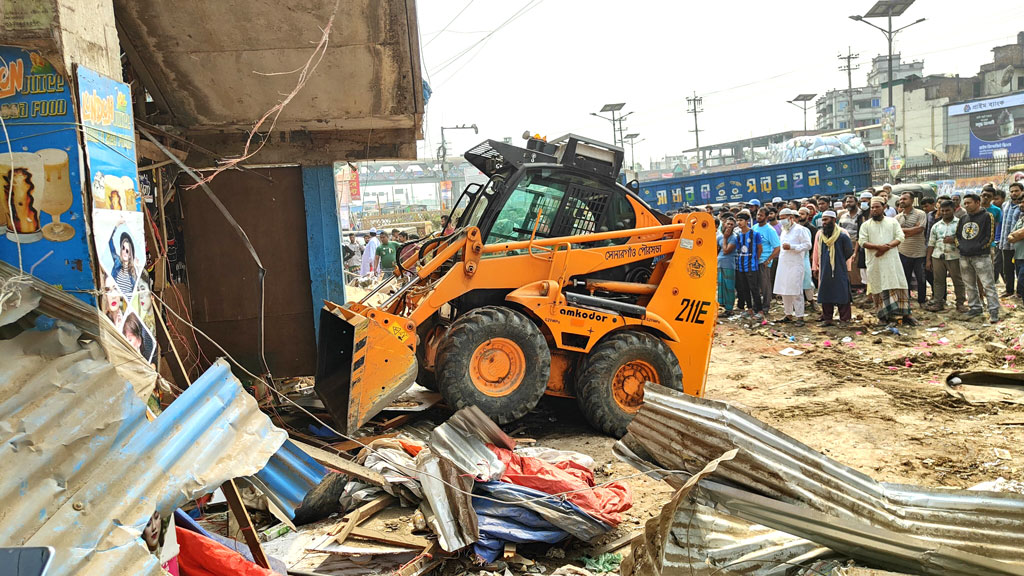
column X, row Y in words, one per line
column 605, row 503
column 201, row 556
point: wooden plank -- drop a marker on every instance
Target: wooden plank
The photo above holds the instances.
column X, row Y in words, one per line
column 396, row 421
column 353, row 445
column 613, row 545
column 338, row 463
column 396, row 539
column 342, row 530
column 245, row 522
column 424, row 563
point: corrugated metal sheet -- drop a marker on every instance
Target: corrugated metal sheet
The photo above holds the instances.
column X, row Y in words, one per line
column 288, row 477
column 682, row 432
column 83, row 468
column 692, row 538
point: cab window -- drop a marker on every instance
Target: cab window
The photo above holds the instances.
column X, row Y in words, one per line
column 557, row 203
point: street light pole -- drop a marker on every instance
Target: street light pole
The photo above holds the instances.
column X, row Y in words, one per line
column 631, row 138
column 442, row 153
column 803, row 100
column 888, row 9
column 616, row 122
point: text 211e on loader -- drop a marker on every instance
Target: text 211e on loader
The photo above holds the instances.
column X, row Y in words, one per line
column 557, row 279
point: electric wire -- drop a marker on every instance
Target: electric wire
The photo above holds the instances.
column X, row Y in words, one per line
column 450, row 22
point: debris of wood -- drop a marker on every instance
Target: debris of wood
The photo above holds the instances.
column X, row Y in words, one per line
column 353, row 518
column 614, row 545
column 340, row 464
column 509, row 551
column 391, row 538
column 242, row 516
column 424, row 563
column 358, row 443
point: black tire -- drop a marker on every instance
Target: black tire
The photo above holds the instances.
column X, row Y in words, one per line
column 472, row 331
column 594, row 379
column 424, row 377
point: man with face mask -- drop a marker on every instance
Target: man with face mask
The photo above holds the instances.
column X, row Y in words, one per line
column 789, row 282
column 886, row 282
column 833, row 254
column 1011, row 212
column 863, row 216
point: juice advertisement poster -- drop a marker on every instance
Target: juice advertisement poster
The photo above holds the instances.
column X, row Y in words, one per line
column 42, row 215
column 118, row 221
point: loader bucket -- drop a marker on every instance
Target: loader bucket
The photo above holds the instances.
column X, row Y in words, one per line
column 361, row 367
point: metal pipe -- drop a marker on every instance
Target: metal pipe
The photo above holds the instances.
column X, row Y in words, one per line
column 583, row 238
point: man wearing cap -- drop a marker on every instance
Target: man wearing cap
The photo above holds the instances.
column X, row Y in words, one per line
column 754, row 204
column 833, row 253
column 803, row 219
column 770, row 240
column 789, row 282
column 886, row 282
column 369, row 254
column 862, row 217
column 848, row 221
column 748, row 255
column 778, row 202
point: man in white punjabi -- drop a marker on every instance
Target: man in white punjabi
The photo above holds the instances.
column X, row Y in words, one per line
column 789, row 281
column 887, row 284
column 833, row 253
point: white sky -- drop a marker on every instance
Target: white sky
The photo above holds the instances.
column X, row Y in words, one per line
column 546, row 70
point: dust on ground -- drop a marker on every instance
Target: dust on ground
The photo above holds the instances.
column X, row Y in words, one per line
column 874, row 402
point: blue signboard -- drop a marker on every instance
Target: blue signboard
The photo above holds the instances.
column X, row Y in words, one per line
column 831, row 176
column 117, row 218
column 41, row 200
column 995, row 124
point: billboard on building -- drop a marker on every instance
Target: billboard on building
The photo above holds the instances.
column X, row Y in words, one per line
column 42, row 218
column 888, row 126
column 995, row 124
column 118, row 222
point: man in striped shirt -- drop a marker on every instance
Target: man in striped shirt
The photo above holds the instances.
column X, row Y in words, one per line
column 748, row 254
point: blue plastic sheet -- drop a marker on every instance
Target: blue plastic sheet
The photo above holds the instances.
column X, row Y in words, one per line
column 500, row 522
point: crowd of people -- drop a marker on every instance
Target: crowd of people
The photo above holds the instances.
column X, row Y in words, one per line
column 374, row 258
column 822, row 254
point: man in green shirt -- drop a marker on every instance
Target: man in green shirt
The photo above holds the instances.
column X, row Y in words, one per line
column 386, row 255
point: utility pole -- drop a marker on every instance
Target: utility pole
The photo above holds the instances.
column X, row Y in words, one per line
column 695, row 105
column 849, row 68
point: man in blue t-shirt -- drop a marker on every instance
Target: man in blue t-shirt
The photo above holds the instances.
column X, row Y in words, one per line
column 770, row 253
column 748, row 256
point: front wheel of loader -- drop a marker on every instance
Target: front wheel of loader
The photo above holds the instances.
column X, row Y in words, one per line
column 496, row 359
column 610, row 382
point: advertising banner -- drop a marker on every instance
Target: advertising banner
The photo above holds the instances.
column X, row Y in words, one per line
column 995, row 124
column 895, row 163
column 42, row 218
column 118, row 222
column 889, row 126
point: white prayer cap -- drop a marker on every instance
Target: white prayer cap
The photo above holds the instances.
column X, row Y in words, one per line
column 829, row 213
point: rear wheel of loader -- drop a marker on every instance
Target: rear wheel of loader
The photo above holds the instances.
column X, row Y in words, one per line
column 496, row 359
column 610, row 383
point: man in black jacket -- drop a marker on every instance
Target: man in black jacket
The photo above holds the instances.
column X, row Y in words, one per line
column 974, row 236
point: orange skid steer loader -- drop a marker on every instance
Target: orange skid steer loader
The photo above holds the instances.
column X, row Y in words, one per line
column 555, row 279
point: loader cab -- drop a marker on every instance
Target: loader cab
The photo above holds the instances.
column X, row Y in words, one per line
column 564, row 188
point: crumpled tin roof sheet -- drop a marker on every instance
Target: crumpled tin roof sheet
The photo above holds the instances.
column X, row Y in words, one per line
column 682, row 432
column 83, row 468
column 289, row 475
